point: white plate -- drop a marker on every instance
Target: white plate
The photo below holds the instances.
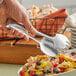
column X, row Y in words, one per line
column 73, row 39
column 73, row 33
column 73, row 29
column 18, row 73
column 73, row 36
column 73, row 45
column 69, row 73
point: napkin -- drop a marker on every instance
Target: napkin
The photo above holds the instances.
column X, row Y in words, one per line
column 52, row 24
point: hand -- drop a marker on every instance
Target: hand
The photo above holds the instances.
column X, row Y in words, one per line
column 16, row 33
column 19, row 15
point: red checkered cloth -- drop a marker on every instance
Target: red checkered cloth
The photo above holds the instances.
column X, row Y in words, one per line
column 3, row 34
column 51, row 23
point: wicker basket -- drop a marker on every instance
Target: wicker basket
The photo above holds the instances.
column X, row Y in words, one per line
column 49, row 26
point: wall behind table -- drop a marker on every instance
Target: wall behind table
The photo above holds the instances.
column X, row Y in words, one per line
column 69, row 4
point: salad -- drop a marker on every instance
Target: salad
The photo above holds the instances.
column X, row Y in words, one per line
column 41, row 65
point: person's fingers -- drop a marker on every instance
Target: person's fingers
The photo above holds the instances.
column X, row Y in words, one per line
column 26, row 38
column 32, row 32
column 11, row 31
column 19, row 14
column 7, row 30
column 19, row 35
column 16, row 33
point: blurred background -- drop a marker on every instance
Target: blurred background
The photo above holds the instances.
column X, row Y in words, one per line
column 69, row 4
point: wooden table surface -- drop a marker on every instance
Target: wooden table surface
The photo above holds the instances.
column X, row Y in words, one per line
column 18, row 54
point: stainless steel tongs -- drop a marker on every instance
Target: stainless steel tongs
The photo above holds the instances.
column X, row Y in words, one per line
column 49, row 45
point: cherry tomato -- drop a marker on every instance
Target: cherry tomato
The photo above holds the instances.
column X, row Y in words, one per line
column 22, row 73
column 61, row 69
column 61, row 59
column 32, row 73
column 55, row 64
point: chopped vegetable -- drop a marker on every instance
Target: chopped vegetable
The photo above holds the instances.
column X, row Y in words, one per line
column 42, row 64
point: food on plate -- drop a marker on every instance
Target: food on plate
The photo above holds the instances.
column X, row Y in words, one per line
column 41, row 65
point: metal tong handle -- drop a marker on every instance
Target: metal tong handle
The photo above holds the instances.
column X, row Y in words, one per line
column 22, row 30
column 41, row 34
